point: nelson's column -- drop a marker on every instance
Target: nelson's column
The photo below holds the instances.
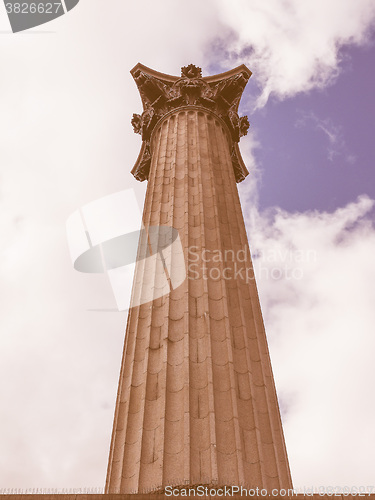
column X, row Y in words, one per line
column 196, row 403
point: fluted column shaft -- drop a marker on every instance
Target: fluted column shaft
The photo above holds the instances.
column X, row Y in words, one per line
column 197, row 402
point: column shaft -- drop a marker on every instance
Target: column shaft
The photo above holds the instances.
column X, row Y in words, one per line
column 196, row 401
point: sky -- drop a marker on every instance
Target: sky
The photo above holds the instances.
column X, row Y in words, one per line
column 66, row 100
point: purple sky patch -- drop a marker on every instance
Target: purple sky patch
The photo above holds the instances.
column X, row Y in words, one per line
column 317, row 149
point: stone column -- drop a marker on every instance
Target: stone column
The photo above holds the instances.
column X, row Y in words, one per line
column 196, row 401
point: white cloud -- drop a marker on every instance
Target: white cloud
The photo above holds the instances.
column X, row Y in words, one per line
column 316, row 273
column 65, row 138
column 293, row 46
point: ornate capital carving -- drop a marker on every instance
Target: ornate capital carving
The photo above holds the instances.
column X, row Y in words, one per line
column 163, row 93
column 191, row 71
column 141, row 168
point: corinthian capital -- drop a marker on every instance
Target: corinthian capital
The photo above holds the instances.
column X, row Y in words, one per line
column 161, row 93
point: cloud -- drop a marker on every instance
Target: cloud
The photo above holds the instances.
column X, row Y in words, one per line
column 315, row 272
column 293, row 46
column 65, row 137
column 334, row 133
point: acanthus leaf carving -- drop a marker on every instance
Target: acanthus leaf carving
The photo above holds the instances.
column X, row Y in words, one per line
column 143, row 124
column 191, row 71
column 142, row 166
column 244, row 125
column 137, row 123
column 160, row 96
